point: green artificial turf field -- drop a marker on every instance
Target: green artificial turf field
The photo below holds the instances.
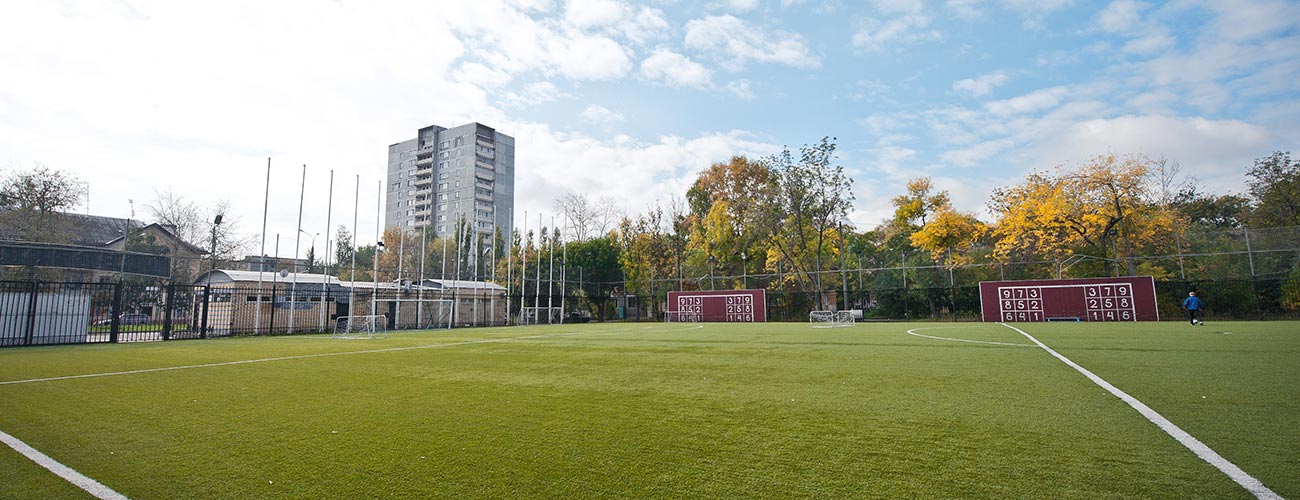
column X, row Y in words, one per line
column 772, row 410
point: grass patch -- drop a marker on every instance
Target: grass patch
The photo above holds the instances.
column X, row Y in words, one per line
column 636, row 411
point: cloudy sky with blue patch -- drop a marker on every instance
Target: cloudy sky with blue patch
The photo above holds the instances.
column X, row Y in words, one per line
column 632, row 100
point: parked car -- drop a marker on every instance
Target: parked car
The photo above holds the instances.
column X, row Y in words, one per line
column 127, row 319
column 577, row 317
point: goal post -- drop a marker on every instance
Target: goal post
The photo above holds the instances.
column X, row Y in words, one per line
column 543, row 315
column 437, row 313
column 373, row 326
column 831, row 319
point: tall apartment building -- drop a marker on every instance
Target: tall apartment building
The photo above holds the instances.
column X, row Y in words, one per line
column 445, row 175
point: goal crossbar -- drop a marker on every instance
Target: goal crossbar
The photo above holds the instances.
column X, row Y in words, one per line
column 830, row 319
column 373, row 326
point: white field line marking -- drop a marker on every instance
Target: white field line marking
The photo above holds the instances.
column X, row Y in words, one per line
column 1254, row 486
column 67, row 473
column 329, row 354
column 914, row 330
column 104, row 492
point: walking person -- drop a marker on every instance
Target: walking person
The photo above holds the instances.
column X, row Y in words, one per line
column 1193, row 306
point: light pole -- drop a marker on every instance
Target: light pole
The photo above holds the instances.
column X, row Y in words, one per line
column 374, row 296
column 215, row 224
column 312, row 250
column 744, row 269
column 713, row 262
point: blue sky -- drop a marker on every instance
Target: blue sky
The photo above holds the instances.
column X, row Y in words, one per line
column 631, row 100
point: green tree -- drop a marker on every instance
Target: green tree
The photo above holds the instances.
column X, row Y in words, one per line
column 1274, row 185
column 803, row 211
column 31, row 202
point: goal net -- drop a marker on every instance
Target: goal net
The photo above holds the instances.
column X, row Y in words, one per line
column 437, row 314
column 542, row 315
column 830, row 319
column 361, row 327
column 682, row 317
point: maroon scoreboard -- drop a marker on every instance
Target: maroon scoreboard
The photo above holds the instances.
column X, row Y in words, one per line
column 1130, row 298
column 745, row 306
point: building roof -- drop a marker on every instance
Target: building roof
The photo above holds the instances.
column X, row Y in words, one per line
column 99, row 231
column 223, row 276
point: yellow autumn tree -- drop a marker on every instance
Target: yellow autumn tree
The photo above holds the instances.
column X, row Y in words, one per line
column 1104, row 208
column 948, row 235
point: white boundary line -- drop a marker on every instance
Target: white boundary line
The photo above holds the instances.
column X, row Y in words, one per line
column 914, row 330
column 105, row 493
column 1254, row 486
column 320, row 355
column 67, row 473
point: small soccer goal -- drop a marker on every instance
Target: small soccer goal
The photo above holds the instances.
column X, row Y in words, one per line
column 682, row 317
column 361, row 327
column 830, row 319
column 542, row 315
column 437, row 313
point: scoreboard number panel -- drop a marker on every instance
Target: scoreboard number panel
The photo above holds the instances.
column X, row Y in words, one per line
column 731, row 306
column 1088, row 299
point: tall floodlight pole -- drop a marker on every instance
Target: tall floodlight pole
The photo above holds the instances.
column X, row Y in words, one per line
column 325, row 267
column 379, row 245
column 537, row 292
column 475, row 256
column 510, row 257
column 401, row 255
column 492, row 251
column 844, row 276
column 523, row 268
column 455, row 291
column 297, row 244
column 564, row 269
column 419, row 292
column 550, row 277
column 352, row 278
column 261, row 264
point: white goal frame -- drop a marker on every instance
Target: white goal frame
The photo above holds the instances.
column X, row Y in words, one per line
column 438, row 314
column 373, row 326
column 682, row 317
column 534, row 315
column 831, row 319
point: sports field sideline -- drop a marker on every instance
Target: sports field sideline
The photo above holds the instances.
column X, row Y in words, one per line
column 777, row 410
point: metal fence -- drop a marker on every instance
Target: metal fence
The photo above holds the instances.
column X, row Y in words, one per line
column 1239, row 273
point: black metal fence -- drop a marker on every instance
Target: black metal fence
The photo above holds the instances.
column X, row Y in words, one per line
column 44, row 313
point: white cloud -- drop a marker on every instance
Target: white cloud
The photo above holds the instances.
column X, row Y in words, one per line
column 600, row 115
column 675, row 70
column 963, row 9
column 1151, row 43
column 1035, row 12
column 480, row 75
column 741, row 88
column 1032, row 102
column 583, row 57
column 648, row 25
column 874, row 35
column 533, row 94
column 980, row 85
column 898, row 6
column 735, row 43
column 1120, row 16
column 641, row 174
column 594, row 13
column 1212, row 150
column 742, row 5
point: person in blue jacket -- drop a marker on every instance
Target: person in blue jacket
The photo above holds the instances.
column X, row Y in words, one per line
column 1193, row 306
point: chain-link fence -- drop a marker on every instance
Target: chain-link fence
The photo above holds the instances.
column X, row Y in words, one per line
column 1238, row 273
